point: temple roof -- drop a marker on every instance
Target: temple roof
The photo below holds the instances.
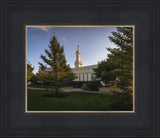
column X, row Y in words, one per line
column 84, row 69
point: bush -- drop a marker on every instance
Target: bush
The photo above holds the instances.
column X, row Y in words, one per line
column 94, row 85
column 84, row 86
column 116, row 93
column 91, row 85
column 79, row 84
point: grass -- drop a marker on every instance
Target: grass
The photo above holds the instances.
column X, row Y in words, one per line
column 76, row 101
column 37, row 86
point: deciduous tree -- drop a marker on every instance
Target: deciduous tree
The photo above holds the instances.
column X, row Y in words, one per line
column 29, row 71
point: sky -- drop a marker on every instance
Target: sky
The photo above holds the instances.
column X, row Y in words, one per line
column 93, row 42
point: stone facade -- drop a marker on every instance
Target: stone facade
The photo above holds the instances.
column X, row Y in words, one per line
column 85, row 73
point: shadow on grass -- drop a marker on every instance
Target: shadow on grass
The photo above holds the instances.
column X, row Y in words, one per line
column 55, row 95
column 121, row 107
column 42, row 100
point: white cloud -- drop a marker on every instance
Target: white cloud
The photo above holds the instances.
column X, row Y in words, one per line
column 64, row 39
column 46, row 29
column 35, row 36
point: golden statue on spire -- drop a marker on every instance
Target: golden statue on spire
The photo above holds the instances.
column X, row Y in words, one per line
column 78, row 47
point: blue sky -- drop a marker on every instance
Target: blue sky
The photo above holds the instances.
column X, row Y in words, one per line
column 93, row 42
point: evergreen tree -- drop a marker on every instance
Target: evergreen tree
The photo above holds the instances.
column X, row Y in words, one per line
column 122, row 57
column 119, row 63
column 105, row 71
column 55, row 69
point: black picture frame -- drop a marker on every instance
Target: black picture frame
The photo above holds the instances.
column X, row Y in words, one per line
column 144, row 123
column 132, row 110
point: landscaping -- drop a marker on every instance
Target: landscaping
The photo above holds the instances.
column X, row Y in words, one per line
column 76, row 101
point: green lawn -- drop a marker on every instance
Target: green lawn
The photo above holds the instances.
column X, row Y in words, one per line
column 76, row 101
column 37, row 86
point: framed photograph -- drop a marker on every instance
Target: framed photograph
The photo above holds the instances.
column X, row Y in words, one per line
column 80, row 69
column 97, row 77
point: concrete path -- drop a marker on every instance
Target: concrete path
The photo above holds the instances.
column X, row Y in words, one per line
column 32, row 88
column 80, row 90
column 72, row 90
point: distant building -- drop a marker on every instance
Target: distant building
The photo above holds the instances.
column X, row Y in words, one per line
column 85, row 73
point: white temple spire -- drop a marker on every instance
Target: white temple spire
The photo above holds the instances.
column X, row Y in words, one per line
column 78, row 62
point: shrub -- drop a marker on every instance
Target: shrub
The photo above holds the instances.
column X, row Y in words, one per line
column 115, row 92
column 114, row 86
column 84, row 86
column 77, row 84
column 94, row 85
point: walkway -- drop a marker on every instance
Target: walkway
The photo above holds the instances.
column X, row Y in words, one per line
column 72, row 90
column 33, row 88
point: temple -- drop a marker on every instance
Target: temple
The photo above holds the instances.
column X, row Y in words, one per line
column 83, row 73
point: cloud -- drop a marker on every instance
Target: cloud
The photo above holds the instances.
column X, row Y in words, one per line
column 35, row 36
column 64, row 39
column 46, row 29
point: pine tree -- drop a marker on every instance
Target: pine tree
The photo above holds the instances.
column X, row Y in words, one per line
column 122, row 57
column 105, row 71
column 119, row 63
column 55, row 69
